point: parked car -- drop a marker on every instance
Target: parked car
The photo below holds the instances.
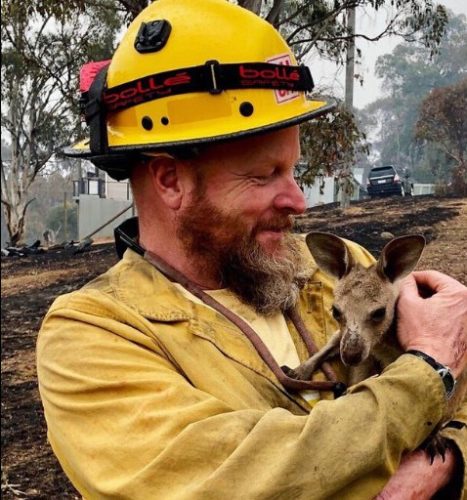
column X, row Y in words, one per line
column 387, row 181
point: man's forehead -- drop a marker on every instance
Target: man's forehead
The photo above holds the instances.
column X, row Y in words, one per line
column 276, row 146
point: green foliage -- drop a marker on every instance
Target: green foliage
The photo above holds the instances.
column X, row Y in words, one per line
column 49, row 190
column 443, row 122
column 64, row 220
column 321, row 25
column 131, row 8
column 44, row 8
column 408, row 74
column 44, row 44
column 329, row 145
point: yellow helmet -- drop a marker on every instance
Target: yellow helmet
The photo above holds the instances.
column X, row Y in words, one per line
column 190, row 72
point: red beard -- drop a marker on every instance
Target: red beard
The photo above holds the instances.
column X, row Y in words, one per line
column 223, row 246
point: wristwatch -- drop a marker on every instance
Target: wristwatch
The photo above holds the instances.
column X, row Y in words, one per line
column 443, row 371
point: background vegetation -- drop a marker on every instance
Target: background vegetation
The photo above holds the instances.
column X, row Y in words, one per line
column 44, row 43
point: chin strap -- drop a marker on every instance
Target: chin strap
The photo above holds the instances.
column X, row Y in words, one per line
column 332, row 384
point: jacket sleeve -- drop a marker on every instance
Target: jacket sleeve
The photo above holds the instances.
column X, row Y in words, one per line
column 124, row 423
column 456, row 432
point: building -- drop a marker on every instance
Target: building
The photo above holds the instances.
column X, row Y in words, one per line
column 103, row 203
column 325, row 189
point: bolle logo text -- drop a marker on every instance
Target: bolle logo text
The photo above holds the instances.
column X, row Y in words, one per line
column 147, row 85
column 278, row 73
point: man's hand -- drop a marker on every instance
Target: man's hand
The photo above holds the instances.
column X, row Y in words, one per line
column 416, row 479
column 432, row 317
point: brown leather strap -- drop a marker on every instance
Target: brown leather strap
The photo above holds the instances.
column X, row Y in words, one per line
column 303, row 331
column 287, row 382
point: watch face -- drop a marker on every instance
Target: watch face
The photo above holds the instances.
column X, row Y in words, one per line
column 447, row 379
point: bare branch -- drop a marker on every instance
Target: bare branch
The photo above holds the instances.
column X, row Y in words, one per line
column 274, row 13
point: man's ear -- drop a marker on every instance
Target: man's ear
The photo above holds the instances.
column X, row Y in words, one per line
column 164, row 173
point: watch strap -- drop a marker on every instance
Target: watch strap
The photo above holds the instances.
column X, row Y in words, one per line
column 443, row 371
column 454, row 424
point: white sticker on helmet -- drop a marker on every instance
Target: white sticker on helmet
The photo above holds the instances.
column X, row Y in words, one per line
column 281, row 94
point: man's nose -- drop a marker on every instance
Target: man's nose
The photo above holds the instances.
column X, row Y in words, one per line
column 290, row 198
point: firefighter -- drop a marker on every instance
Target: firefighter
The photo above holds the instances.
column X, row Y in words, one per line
column 162, row 378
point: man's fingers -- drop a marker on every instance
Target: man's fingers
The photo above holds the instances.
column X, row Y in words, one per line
column 434, row 280
column 409, row 287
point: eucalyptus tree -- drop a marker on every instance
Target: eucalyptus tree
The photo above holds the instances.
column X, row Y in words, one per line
column 408, row 74
column 320, row 27
column 43, row 45
column 443, row 122
column 45, row 42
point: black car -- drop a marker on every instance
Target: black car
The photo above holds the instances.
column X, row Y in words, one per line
column 387, row 181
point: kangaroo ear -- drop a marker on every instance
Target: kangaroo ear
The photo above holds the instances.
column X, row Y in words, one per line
column 400, row 256
column 330, row 253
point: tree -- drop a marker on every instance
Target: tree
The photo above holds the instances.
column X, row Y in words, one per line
column 443, row 121
column 329, row 144
column 332, row 143
column 408, row 74
column 43, row 47
column 45, row 42
column 58, row 216
column 52, row 187
column 321, row 25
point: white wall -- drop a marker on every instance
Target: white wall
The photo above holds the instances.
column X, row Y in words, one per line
column 420, row 189
column 314, row 196
column 117, row 190
column 94, row 211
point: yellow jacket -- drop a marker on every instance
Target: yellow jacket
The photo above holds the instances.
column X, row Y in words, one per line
column 148, row 395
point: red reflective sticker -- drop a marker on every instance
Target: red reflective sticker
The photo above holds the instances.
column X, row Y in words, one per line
column 88, row 73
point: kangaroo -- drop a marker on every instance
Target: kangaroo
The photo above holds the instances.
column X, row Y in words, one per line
column 364, row 308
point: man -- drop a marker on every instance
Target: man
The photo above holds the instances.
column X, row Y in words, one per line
column 162, row 379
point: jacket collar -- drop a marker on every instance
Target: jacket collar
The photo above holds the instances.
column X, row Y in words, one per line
column 138, row 279
column 145, row 289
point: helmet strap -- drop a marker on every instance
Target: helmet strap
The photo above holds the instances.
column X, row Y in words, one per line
column 95, row 114
column 211, row 77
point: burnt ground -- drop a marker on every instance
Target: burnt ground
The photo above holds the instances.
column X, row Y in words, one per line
column 29, row 285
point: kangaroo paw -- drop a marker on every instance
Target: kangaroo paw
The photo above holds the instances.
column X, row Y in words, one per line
column 290, row 372
column 302, row 372
column 435, row 445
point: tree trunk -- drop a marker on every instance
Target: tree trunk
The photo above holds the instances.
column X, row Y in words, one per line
column 346, row 185
column 15, row 217
column 253, row 5
column 459, row 179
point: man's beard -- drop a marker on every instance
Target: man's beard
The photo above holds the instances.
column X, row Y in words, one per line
column 220, row 243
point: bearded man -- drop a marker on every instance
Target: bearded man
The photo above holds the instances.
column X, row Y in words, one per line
column 162, row 378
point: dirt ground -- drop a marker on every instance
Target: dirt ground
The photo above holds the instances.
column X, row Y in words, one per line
column 29, row 285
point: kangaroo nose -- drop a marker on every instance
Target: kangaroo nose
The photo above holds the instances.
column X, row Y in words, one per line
column 351, row 358
column 352, row 349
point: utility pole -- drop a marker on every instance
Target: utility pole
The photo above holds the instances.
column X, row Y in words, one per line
column 65, row 216
column 346, row 184
column 350, row 60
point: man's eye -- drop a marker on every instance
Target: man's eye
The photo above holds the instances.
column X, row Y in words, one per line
column 267, row 176
column 261, row 179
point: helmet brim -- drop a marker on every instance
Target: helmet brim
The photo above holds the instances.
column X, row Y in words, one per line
column 318, row 108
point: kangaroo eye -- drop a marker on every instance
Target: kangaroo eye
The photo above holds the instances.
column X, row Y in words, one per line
column 378, row 314
column 337, row 315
